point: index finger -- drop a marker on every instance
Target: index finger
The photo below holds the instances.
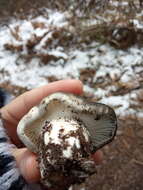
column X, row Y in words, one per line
column 22, row 104
column 13, row 112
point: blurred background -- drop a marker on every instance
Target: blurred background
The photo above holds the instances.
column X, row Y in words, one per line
column 99, row 42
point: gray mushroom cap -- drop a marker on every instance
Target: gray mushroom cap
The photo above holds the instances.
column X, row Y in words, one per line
column 98, row 119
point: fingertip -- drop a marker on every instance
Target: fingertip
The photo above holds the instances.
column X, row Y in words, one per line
column 67, row 85
column 28, row 166
column 98, row 157
column 30, row 169
column 78, row 86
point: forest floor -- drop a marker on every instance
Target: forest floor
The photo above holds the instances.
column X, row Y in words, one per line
column 46, row 46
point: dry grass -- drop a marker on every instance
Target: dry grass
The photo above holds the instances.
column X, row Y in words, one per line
column 92, row 20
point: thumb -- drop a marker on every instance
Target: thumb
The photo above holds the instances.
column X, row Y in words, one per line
column 27, row 164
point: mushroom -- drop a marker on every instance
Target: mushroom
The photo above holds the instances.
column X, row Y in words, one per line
column 64, row 130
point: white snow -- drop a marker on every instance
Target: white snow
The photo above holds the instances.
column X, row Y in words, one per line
column 116, row 68
column 138, row 24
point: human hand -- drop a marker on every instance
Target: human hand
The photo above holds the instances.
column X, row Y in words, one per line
column 13, row 112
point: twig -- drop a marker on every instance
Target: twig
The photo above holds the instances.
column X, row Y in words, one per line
column 137, row 161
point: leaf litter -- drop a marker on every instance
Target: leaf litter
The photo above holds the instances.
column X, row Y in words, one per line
column 41, row 49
